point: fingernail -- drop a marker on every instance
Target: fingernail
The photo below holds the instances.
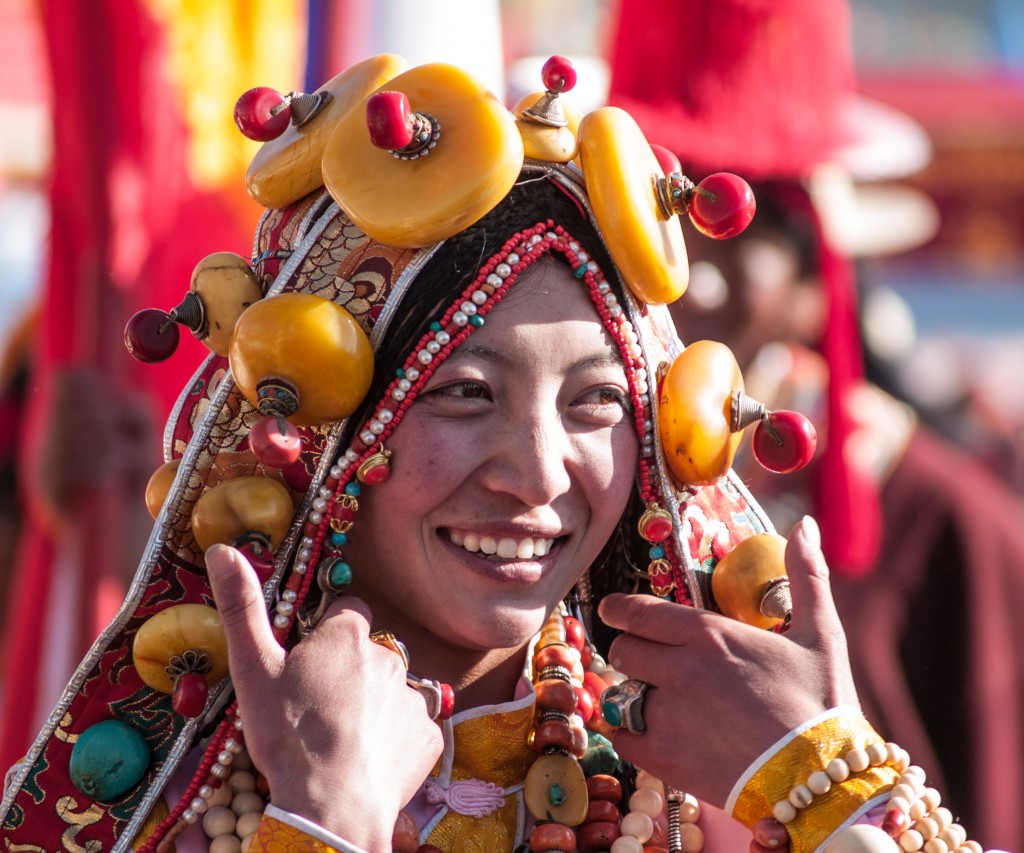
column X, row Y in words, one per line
column 811, row 531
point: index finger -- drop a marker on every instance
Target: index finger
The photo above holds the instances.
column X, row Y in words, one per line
column 655, row 619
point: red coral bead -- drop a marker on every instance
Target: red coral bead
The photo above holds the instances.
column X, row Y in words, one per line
column 447, row 701
column 658, row 528
column 275, row 441
column 598, row 836
column 189, row 696
column 666, row 159
column 261, row 558
column 584, row 703
column 151, row 335
column 558, row 75
column 722, row 205
column 575, row 636
column 798, row 440
column 262, row 114
column 389, row 119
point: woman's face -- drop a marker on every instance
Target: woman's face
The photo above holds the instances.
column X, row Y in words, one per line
column 508, row 475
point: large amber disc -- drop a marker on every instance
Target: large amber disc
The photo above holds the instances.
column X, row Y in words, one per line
column 287, row 168
column 414, row 203
column 313, row 344
column 620, row 168
column 236, row 507
column 695, row 418
column 167, row 638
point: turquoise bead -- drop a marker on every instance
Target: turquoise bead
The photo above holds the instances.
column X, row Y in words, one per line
column 108, row 760
column 557, row 795
column 476, row 320
column 611, row 713
column 353, row 489
column 340, row 575
column 338, row 539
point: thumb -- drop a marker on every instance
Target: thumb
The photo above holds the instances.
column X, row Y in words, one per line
column 252, row 648
column 814, row 611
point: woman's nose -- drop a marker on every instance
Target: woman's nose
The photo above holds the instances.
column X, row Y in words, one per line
column 531, row 460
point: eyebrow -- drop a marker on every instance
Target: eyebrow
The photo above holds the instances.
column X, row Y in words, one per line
column 490, row 354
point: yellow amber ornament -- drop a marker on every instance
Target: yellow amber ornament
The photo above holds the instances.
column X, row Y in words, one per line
column 695, row 419
column 234, row 508
column 543, row 142
column 556, row 789
column 185, row 637
column 309, row 344
column 414, row 203
column 159, row 485
column 743, row 576
column 288, row 167
column 620, row 169
column 226, row 285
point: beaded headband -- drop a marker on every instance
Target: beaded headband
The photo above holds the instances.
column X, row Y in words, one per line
column 258, row 457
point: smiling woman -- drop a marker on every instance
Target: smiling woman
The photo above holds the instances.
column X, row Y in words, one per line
column 499, row 478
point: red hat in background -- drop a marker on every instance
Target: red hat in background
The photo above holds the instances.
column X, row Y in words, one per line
column 765, row 88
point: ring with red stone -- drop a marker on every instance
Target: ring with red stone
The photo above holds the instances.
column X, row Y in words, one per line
column 390, row 641
column 439, row 697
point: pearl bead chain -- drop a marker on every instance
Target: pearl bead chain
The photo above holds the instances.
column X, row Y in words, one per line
column 917, row 821
column 838, row 770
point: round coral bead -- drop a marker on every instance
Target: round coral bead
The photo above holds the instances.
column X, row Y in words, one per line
column 598, row 836
column 554, row 733
column 575, row 636
column 555, row 654
column 584, row 703
column 151, row 335
column 558, row 75
column 189, row 696
column 389, row 120
column 556, row 694
column 797, row 441
column 601, row 786
column 603, row 810
column 262, row 113
column 666, row 159
column 552, row 836
column 406, row 837
column 447, row 701
column 275, row 441
column 722, row 205
column 260, row 557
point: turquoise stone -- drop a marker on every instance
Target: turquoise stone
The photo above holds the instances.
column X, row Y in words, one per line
column 610, row 711
column 600, row 756
column 557, row 795
column 108, row 760
column 340, row 575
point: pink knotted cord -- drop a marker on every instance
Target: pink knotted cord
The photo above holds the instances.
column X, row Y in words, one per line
column 469, row 797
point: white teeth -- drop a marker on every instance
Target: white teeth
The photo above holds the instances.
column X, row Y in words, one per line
column 505, row 548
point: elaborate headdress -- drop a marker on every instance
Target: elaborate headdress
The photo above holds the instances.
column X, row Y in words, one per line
column 288, row 420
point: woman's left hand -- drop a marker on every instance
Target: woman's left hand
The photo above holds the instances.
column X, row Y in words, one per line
column 723, row 692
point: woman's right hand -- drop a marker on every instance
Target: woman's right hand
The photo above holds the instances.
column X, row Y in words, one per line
column 331, row 724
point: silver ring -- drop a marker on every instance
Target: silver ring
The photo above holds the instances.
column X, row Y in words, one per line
column 430, row 691
column 623, row 705
column 388, row 640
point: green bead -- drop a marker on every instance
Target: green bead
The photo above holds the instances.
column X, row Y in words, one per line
column 108, row 760
column 600, row 756
column 476, row 320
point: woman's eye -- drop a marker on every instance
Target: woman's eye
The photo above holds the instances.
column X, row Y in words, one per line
column 608, row 401
column 464, row 390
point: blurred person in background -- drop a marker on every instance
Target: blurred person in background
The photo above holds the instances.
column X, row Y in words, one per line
column 926, row 544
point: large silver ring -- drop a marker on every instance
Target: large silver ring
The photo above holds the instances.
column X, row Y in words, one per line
column 430, row 691
column 623, row 705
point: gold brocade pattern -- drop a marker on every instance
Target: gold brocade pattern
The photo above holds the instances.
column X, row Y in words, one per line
column 492, row 748
column 149, row 825
column 273, row 836
column 791, row 765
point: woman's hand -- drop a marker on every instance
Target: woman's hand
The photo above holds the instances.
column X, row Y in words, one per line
column 723, row 692
column 332, row 725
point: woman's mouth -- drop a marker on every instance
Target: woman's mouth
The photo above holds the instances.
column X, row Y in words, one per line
column 503, row 547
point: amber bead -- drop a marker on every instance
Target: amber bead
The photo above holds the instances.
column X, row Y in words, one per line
column 604, row 787
column 556, row 694
column 598, row 836
column 552, row 836
column 556, row 654
column 603, row 810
